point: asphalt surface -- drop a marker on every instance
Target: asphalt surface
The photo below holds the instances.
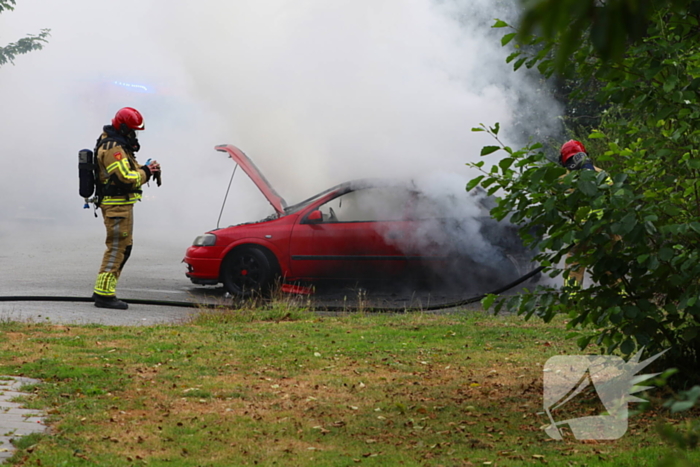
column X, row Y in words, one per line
column 45, row 261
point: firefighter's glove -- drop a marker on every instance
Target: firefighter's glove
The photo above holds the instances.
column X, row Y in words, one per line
column 154, row 170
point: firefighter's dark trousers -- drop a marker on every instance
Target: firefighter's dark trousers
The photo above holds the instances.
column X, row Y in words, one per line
column 119, row 223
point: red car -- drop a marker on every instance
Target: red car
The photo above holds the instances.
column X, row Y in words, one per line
column 359, row 230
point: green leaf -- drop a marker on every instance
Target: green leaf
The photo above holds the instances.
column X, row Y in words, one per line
column 587, row 187
column 489, row 181
column 474, row 182
column 486, row 150
column 487, row 301
column 625, row 225
column 631, row 312
column 681, row 406
column 665, row 254
column 507, row 38
column 500, row 24
column 670, row 83
column 653, row 263
column 518, row 64
column 506, row 163
column 512, row 56
column 583, row 342
column 694, row 163
column 650, row 227
column 627, row 347
column 690, row 333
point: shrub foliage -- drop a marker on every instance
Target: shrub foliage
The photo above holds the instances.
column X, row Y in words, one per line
column 636, row 225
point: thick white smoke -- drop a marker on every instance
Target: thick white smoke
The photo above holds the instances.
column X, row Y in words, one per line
column 315, row 92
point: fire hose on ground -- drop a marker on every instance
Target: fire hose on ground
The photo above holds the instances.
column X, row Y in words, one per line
column 332, row 308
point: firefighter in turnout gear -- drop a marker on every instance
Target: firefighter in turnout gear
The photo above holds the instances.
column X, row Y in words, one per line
column 119, row 179
column 573, row 156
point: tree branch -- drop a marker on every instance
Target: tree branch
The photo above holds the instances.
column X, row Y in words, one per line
column 23, row 46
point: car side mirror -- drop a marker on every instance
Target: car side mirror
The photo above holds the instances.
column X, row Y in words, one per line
column 314, row 217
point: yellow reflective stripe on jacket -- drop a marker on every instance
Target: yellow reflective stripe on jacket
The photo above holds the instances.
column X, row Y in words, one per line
column 597, row 213
column 132, row 198
column 126, row 172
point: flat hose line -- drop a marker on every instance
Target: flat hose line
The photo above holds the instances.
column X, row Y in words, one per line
column 136, row 301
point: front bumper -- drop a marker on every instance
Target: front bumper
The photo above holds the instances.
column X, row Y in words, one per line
column 203, row 265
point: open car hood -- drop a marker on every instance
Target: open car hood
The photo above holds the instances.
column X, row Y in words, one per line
column 277, row 202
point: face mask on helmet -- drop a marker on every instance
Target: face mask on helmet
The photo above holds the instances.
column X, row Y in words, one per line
column 131, row 137
column 579, row 161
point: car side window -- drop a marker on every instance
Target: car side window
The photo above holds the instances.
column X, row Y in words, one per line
column 368, row 205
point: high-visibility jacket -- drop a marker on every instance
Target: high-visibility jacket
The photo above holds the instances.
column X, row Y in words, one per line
column 119, row 173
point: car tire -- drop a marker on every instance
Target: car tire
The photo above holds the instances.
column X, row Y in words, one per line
column 248, row 271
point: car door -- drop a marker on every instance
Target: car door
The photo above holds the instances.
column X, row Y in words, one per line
column 354, row 237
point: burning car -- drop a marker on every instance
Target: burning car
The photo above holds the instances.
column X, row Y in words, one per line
column 359, row 230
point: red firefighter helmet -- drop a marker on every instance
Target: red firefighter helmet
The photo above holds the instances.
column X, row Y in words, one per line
column 569, row 149
column 130, row 117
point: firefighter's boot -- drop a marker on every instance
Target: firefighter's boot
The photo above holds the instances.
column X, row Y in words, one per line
column 109, row 301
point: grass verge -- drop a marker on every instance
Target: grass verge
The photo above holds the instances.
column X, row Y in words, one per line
column 289, row 388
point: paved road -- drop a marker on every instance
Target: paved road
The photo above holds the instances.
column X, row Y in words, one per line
column 39, row 260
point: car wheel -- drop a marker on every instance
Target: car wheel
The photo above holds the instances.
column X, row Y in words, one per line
column 248, row 271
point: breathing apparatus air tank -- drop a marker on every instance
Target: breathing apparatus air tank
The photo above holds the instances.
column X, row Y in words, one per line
column 86, row 174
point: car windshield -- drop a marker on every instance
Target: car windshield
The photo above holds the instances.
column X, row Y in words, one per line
column 296, row 207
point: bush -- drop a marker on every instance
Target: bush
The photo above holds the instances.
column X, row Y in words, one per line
column 636, row 226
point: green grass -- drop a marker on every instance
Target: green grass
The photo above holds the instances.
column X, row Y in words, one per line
column 289, row 388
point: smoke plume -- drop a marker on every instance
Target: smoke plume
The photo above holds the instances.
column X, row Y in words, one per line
column 315, row 92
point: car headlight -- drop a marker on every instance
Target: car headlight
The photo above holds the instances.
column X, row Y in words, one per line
column 205, row 240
